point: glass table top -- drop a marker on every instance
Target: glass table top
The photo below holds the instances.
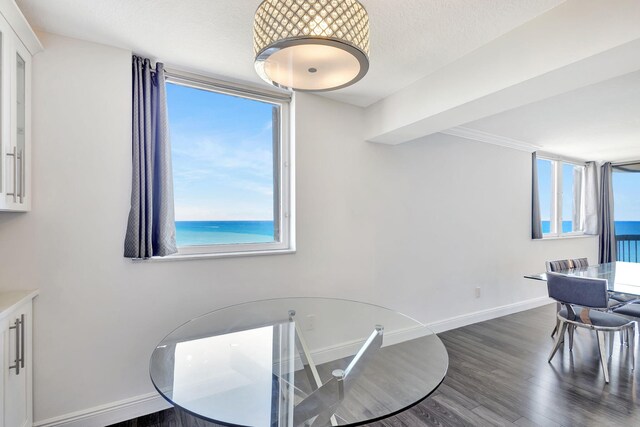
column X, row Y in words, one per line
column 622, row 277
column 298, row 362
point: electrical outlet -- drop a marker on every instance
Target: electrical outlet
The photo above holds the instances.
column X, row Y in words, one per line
column 310, row 322
column 478, row 292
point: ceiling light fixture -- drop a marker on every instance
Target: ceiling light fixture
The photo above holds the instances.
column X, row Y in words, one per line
column 311, row 45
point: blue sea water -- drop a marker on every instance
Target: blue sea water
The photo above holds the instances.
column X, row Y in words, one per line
column 191, row 233
column 627, row 227
column 627, row 250
column 567, row 226
column 622, row 227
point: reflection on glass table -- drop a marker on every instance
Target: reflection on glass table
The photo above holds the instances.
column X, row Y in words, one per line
column 622, row 277
column 298, row 362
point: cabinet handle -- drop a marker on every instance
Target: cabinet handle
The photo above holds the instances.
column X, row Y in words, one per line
column 21, row 341
column 17, row 327
column 15, row 173
column 22, row 175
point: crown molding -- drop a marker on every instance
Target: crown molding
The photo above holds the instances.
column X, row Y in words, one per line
column 14, row 16
column 489, row 138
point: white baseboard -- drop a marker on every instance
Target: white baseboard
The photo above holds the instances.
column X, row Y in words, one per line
column 111, row 413
column 488, row 314
column 134, row 407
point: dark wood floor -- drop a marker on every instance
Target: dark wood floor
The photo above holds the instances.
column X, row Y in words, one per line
column 499, row 375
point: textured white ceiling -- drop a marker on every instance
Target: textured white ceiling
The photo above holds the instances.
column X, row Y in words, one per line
column 410, row 38
column 599, row 122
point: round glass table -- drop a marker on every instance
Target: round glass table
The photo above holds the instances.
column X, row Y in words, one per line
column 297, row 362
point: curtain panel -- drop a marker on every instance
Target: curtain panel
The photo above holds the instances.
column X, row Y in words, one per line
column 151, row 226
column 591, row 208
column 607, row 242
column 536, row 222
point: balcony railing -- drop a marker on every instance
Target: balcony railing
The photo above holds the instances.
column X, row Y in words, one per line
column 628, row 245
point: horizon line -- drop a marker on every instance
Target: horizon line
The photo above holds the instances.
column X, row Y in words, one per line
column 223, row 220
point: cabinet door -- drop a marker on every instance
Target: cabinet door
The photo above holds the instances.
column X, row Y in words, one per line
column 17, row 407
column 15, row 121
column 8, row 163
column 20, row 63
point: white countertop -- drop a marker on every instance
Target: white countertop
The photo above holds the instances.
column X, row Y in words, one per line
column 11, row 299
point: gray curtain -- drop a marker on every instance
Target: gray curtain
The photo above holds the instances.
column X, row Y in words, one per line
column 151, row 229
column 536, row 222
column 591, row 216
column 607, row 247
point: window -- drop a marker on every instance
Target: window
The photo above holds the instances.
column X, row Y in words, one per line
column 626, row 182
column 231, row 169
column 561, row 194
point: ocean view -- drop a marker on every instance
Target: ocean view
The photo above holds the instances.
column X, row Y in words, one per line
column 191, row 233
column 627, row 247
column 622, row 227
column 627, row 228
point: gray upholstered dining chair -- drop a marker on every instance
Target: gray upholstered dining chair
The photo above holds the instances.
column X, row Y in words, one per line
column 582, row 299
column 566, row 264
column 559, row 265
column 630, row 310
column 569, row 264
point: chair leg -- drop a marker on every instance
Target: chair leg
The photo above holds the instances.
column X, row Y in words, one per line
column 622, row 337
column 557, row 328
column 612, row 337
column 571, row 331
column 559, row 340
column 602, row 347
column 631, row 342
column 627, row 335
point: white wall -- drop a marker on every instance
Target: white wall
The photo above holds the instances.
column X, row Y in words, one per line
column 415, row 227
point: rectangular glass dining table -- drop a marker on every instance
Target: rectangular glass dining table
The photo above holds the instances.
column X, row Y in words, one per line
column 622, row 277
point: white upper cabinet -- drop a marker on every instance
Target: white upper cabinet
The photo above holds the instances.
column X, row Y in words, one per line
column 18, row 43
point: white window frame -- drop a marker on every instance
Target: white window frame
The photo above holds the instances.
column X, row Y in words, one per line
column 557, row 196
column 285, row 186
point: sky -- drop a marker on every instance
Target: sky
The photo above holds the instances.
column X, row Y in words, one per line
column 626, row 189
column 626, row 196
column 222, row 156
column 544, row 189
column 223, row 162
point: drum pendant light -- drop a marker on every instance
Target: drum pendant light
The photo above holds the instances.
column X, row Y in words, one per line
column 311, row 45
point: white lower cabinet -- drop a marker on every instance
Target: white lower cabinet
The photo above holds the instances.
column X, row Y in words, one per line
column 16, row 353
